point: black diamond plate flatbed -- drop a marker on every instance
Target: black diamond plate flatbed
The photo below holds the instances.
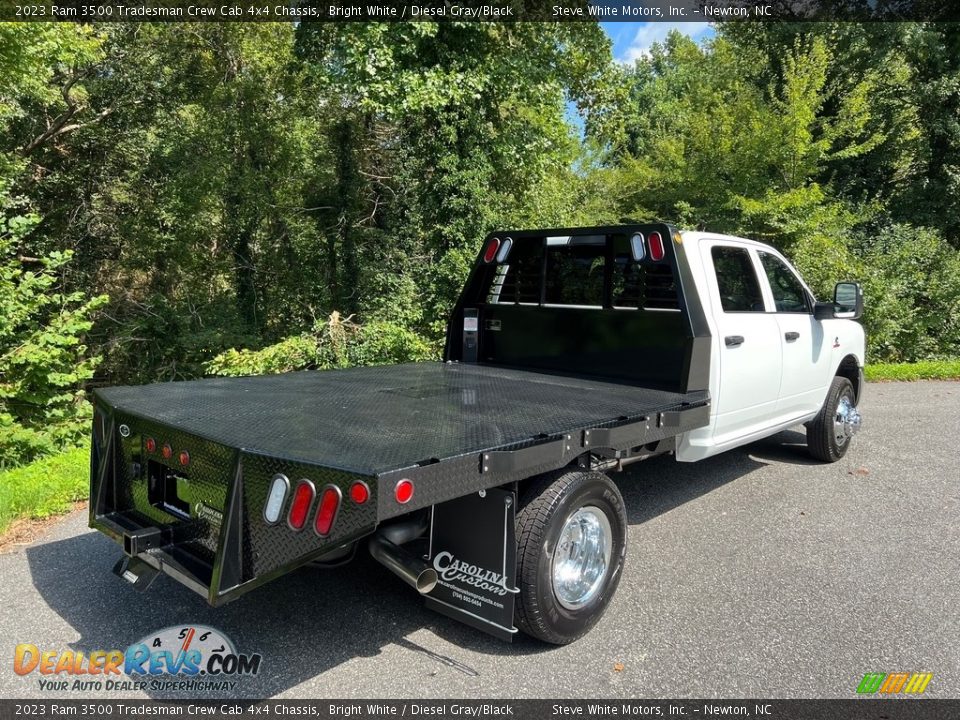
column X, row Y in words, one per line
column 374, row 420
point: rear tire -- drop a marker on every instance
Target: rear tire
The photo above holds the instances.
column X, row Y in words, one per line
column 563, row 594
column 822, row 433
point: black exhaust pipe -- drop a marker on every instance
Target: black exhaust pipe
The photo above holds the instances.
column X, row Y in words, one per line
column 385, row 547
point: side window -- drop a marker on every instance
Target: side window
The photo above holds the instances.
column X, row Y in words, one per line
column 737, row 280
column 575, row 270
column 788, row 293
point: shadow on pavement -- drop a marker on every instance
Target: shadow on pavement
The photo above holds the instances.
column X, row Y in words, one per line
column 312, row 620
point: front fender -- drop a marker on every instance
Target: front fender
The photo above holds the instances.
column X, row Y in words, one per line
column 848, row 350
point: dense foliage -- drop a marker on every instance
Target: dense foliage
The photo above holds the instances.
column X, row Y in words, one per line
column 264, row 197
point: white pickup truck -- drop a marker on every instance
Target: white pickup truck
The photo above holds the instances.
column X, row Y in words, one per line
column 481, row 480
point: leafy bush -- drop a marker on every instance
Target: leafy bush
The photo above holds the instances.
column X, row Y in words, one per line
column 45, row 487
column 911, row 279
column 338, row 342
column 43, row 361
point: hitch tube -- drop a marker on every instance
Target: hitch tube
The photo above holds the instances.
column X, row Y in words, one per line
column 404, row 564
column 138, row 541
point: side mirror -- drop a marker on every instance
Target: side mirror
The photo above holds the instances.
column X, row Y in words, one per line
column 848, row 297
column 847, row 303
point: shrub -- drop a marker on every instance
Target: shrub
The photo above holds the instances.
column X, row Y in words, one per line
column 336, row 342
column 43, row 360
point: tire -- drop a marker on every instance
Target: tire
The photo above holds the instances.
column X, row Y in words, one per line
column 822, row 441
column 545, row 507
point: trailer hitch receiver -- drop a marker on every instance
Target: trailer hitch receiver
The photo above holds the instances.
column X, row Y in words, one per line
column 138, row 541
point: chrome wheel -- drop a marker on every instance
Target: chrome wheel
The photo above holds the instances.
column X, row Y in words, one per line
column 846, row 421
column 582, row 557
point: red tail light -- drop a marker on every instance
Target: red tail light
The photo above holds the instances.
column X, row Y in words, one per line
column 302, row 500
column 359, row 492
column 327, row 512
column 403, row 491
column 151, row 445
column 656, row 246
column 491, row 252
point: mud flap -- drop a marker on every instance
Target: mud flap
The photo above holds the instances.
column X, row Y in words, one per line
column 473, row 548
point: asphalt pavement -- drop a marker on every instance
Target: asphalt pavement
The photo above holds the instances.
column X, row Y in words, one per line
column 757, row 573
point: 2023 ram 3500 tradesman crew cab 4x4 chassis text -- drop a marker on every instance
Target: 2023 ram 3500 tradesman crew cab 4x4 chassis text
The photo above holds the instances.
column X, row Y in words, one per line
column 480, row 480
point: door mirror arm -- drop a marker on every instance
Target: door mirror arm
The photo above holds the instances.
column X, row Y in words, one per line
column 824, row 311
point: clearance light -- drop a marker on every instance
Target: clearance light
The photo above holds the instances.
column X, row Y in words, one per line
column 184, row 458
column 302, row 500
column 636, row 247
column 359, row 492
column 151, row 445
column 403, row 491
column 491, row 252
column 167, row 451
column 278, row 493
column 656, row 246
column 504, row 250
column 327, row 512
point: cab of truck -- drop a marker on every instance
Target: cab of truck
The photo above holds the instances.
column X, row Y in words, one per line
column 780, row 357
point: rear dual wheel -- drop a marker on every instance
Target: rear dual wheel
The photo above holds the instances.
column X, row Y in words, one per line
column 571, row 544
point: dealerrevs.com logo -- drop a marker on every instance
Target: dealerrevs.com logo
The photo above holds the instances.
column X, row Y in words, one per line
column 192, row 658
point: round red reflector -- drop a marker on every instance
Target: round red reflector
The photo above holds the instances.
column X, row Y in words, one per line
column 184, row 458
column 491, row 252
column 656, row 246
column 302, row 499
column 151, row 445
column 359, row 492
column 327, row 512
column 167, row 451
column 403, row 491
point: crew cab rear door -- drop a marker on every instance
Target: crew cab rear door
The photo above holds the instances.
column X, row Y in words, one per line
column 748, row 344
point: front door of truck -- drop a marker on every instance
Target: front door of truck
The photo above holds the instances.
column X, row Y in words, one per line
column 806, row 358
column 749, row 342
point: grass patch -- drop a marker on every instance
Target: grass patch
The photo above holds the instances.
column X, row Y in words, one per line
column 923, row 370
column 45, row 487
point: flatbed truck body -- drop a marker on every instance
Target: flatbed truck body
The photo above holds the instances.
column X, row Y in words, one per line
column 227, row 483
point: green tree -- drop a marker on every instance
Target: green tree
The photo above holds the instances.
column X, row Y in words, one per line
column 43, row 359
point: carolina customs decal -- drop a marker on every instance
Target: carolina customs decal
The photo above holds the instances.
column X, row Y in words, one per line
column 477, row 575
column 457, row 571
column 211, row 515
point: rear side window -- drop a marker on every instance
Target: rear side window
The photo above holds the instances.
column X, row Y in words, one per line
column 788, row 293
column 736, row 280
